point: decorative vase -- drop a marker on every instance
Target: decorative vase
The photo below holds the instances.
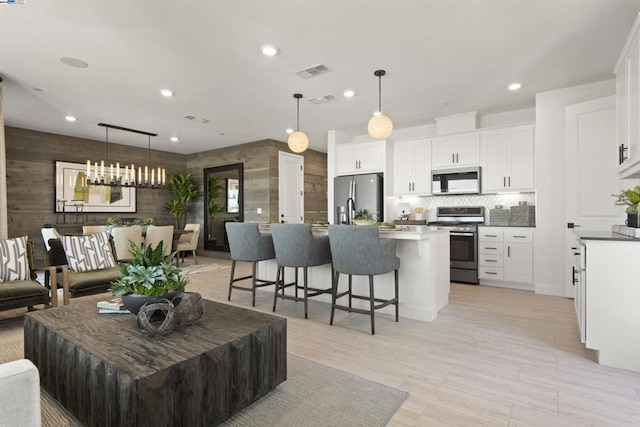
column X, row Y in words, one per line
column 419, row 217
column 632, row 220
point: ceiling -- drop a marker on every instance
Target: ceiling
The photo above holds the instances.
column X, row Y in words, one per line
column 442, row 57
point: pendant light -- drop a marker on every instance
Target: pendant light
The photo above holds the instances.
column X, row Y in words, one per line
column 298, row 141
column 380, row 126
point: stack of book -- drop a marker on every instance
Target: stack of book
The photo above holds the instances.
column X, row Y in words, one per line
column 111, row 306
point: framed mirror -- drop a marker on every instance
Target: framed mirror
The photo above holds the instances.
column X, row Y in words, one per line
column 224, row 202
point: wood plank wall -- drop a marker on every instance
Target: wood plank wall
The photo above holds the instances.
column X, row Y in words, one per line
column 31, row 157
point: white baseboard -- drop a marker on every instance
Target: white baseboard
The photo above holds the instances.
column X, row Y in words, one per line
column 509, row 285
column 557, row 291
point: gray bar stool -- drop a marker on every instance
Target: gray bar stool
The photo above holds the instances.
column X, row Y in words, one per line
column 297, row 247
column 248, row 245
column 358, row 250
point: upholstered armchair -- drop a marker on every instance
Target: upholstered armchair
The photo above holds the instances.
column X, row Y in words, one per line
column 19, row 394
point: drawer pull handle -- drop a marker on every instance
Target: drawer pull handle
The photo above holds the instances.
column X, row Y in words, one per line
column 520, row 237
column 491, row 272
column 493, row 249
column 491, row 235
column 491, row 260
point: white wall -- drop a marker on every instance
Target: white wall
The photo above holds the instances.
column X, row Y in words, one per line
column 549, row 251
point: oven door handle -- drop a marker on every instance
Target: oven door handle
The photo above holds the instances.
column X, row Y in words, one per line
column 457, row 233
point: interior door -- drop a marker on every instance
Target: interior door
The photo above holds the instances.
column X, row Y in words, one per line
column 590, row 174
column 290, row 187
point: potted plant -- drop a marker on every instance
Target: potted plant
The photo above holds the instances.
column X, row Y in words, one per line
column 631, row 199
column 363, row 217
column 149, row 275
column 215, row 187
column 185, row 189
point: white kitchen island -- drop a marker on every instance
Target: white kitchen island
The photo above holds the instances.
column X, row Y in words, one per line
column 424, row 274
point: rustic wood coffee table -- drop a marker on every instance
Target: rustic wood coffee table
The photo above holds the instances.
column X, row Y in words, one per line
column 106, row 373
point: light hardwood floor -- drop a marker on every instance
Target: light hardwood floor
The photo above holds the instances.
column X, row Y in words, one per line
column 494, row 356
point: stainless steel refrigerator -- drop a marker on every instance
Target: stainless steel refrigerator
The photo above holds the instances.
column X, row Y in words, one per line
column 356, row 192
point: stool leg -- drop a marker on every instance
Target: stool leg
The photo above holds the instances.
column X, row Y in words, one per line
column 397, row 298
column 233, row 270
column 253, row 283
column 296, row 282
column 350, row 277
column 335, row 278
column 275, row 293
column 371, row 304
column 306, row 301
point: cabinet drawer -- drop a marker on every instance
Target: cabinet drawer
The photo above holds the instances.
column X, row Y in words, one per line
column 491, row 248
column 490, row 235
column 518, row 236
column 490, row 273
column 490, row 260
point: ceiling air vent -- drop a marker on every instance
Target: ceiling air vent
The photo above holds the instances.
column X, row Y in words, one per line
column 323, row 99
column 197, row 119
column 316, row 70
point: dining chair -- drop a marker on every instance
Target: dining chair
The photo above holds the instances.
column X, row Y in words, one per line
column 159, row 233
column 247, row 244
column 49, row 233
column 122, row 236
column 93, row 229
column 358, row 250
column 189, row 241
column 297, row 247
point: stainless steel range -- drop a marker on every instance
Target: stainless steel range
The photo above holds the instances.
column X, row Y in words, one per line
column 462, row 223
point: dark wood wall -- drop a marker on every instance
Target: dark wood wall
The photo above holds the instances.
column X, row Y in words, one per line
column 31, row 157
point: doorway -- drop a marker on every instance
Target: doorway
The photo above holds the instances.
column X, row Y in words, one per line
column 290, row 188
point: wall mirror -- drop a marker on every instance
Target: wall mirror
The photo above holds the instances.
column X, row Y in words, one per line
column 224, row 202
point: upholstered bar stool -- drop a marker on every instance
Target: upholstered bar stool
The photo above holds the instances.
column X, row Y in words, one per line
column 297, row 247
column 358, row 250
column 249, row 245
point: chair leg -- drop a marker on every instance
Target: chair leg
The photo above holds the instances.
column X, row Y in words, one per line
column 233, row 269
column 350, row 278
column 253, row 283
column 275, row 293
column 195, row 259
column 335, row 279
column 371, row 304
column 397, row 297
column 306, row 299
column 296, row 282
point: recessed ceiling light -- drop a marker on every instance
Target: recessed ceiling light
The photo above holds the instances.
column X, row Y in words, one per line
column 515, row 86
column 348, row 93
column 70, row 118
column 269, row 50
column 289, row 131
column 174, row 139
column 74, row 62
column 166, row 92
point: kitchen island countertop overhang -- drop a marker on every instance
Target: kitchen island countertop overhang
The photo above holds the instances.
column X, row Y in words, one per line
column 424, row 273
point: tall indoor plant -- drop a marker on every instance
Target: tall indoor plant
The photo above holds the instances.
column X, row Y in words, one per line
column 185, row 189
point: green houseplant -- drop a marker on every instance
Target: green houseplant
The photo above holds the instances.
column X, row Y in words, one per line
column 364, row 217
column 185, row 189
column 631, row 199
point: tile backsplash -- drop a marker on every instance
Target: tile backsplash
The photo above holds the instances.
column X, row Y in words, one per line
column 489, row 201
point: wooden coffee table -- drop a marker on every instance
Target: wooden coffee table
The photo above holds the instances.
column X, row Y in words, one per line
column 106, row 373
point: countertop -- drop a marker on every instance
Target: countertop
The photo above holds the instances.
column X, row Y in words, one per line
column 503, row 226
column 604, row 235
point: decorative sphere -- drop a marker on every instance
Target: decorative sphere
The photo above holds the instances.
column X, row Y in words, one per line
column 380, row 126
column 162, row 308
column 189, row 308
column 298, row 142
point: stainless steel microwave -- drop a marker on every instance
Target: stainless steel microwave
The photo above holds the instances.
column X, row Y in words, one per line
column 456, row 181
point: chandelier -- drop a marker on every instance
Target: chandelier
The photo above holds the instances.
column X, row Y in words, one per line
column 105, row 173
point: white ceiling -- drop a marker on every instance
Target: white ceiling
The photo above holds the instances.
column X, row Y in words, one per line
column 442, row 57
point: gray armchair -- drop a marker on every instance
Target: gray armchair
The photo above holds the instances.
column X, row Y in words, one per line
column 297, row 247
column 358, row 250
column 248, row 245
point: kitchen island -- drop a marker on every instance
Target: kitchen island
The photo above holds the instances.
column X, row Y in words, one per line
column 424, row 273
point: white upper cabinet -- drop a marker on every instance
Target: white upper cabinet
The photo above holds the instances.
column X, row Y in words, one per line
column 507, row 160
column 456, row 150
column 627, row 72
column 412, row 168
column 359, row 158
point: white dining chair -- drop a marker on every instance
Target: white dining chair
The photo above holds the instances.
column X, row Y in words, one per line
column 189, row 241
column 122, row 236
column 159, row 233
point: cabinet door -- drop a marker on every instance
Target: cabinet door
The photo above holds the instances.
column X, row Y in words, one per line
column 346, row 160
column 369, row 157
column 467, row 149
column 494, row 167
column 403, row 168
column 443, row 152
column 520, row 175
column 622, row 111
column 422, row 167
column 518, row 262
column 633, row 114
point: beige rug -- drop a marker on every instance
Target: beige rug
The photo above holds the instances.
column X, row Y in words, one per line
column 312, row 395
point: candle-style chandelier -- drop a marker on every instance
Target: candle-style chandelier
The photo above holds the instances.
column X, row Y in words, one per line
column 101, row 173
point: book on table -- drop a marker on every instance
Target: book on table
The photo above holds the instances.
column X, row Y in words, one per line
column 112, row 304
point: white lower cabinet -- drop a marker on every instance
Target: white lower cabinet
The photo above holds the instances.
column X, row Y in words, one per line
column 505, row 256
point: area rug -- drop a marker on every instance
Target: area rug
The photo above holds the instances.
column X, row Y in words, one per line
column 202, row 268
column 313, row 395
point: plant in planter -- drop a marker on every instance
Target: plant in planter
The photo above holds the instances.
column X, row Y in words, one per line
column 149, row 274
column 631, row 199
column 364, row 217
column 185, row 189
